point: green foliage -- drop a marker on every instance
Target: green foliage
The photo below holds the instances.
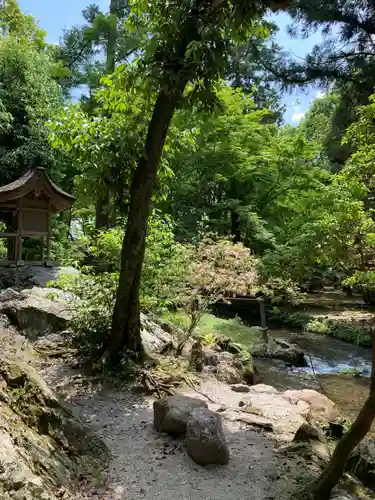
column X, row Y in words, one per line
column 243, row 177
column 219, row 269
column 319, row 326
column 15, row 24
column 198, row 36
column 104, row 145
column 164, row 268
column 277, row 316
column 90, row 300
column 81, row 44
column 348, row 331
column 343, row 61
column 363, row 279
column 28, row 95
column 93, row 292
column 211, row 328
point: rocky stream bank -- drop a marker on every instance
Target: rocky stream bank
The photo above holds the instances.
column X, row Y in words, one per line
column 96, row 438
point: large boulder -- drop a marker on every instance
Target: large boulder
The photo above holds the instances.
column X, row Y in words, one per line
column 284, row 418
column 228, row 373
column 205, row 440
column 155, row 338
column 36, row 311
column 172, row 413
column 362, row 462
column 308, row 432
column 290, row 353
column 321, row 408
column 210, row 357
column 43, row 448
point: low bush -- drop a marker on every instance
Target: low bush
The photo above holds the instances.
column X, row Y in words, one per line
column 350, row 332
column 364, row 281
column 278, row 317
column 90, row 300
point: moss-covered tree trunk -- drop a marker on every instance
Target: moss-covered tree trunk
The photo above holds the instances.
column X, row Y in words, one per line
column 332, row 474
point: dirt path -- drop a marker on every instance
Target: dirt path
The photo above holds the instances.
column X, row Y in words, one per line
column 146, row 465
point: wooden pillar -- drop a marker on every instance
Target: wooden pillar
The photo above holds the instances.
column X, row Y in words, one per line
column 42, row 248
column 19, row 231
column 48, row 233
column 263, row 319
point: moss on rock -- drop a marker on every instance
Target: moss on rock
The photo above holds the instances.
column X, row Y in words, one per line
column 44, row 449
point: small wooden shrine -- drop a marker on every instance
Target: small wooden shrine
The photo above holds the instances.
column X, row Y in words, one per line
column 26, row 206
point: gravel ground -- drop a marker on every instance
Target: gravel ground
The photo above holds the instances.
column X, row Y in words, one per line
column 149, row 466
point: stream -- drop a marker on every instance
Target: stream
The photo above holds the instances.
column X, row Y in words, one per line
column 340, row 370
column 328, row 355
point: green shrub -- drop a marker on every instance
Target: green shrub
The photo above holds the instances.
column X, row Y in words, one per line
column 164, row 265
column 350, row 332
column 280, row 290
column 90, row 300
column 284, row 318
column 317, row 325
column 93, row 293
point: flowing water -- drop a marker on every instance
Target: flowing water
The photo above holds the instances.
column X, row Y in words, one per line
column 338, row 369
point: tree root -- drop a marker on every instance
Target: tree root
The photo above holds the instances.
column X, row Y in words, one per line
column 159, row 384
column 191, row 384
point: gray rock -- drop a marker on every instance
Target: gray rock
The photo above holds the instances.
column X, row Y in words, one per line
column 287, row 352
column 40, row 428
column 307, row 432
column 155, row 339
column 171, row 414
column 9, row 294
column 205, row 440
column 343, row 495
column 228, row 373
column 321, row 408
column 312, row 450
column 225, row 357
column 41, row 275
column 196, row 356
column 263, row 389
column 259, row 350
column 248, row 372
column 210, row 357
column 362, row 462
column 257, row 421
column 38, row 311
column 240, row 388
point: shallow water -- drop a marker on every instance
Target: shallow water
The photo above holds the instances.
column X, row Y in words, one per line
column 328, row 359
column 328, row 355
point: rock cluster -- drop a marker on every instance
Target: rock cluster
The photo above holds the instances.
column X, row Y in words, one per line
column 229, row 367
column 180, row 416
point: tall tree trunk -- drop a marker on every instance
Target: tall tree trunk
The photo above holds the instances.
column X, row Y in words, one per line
column 235, row 226
column 103, row 198
column 332, row 474
column 125, row 332
column 101, row 209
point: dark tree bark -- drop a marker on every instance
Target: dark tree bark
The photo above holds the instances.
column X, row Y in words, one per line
column 101, row 209
column 125, row 322
column 235, row 226
column 332, row 474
